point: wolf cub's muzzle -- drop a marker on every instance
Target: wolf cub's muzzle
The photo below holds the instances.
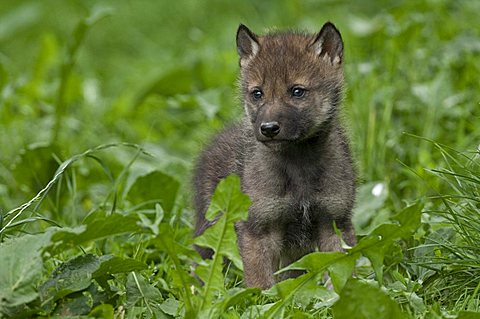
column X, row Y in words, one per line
column 269, row 129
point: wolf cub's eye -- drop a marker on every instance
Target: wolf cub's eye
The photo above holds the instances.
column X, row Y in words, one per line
column 298, row 91
column 257, row 94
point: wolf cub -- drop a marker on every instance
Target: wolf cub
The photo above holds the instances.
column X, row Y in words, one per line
column 290, row 152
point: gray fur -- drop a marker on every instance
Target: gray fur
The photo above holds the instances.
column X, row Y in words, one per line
column 300, row 181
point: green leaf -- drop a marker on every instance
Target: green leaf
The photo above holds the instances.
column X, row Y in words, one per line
column 155, row 185
column 177, row 81
column 339, row 265
column 170, row 306
column 370, row 199
column 3, row 77
column 139, row 289
column 34, row 167
column 301, row 290
column 341, row 271
column 260, row 311
column 379, row 242
column 232, row 204
column 166, row 242
column 97, row 226
column 21, row 267
column 229, row 201
column 114, row 265
column 73, row 275
column 237, row 296
column 360, row 300
column 157, row 220
column 81, row 302
column 315, row 262
column 104, row 311
column 468, row 315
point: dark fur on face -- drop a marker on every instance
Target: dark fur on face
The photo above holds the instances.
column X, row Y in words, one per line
column 290, row 151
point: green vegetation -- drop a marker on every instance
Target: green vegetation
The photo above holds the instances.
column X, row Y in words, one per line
column 104, row 106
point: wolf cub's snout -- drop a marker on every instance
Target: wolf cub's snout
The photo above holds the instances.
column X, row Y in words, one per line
column 290, row 151
column 270, row 129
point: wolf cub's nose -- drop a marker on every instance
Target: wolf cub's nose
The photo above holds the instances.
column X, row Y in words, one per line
column 270, row 129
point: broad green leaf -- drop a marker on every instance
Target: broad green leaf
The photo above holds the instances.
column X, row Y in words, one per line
column 73, row 275
column 232, row 204
column 341, row 271
column 77, row 275
column 155, row 185
column 21, row 268
column 82, row 302
column 114, row 265
column 97, row 226
column 170, row 306
column 360, row 300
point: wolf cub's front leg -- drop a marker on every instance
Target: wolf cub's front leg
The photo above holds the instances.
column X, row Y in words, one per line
column 260, row 253
column 329, row 240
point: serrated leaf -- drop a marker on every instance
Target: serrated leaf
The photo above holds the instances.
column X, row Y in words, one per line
column 21, row 267
column 155, row 185
column 360, row 300
column 232, row 204
column 229, row 201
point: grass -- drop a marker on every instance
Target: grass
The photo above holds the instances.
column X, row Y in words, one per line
column 104, row 107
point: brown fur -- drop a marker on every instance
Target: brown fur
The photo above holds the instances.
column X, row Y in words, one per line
column 300, row 178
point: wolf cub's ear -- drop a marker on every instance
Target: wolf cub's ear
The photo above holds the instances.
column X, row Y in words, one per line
column 328, row 44
column 247, row 44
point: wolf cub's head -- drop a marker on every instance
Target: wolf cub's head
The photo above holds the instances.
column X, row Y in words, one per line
column 291, row 82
